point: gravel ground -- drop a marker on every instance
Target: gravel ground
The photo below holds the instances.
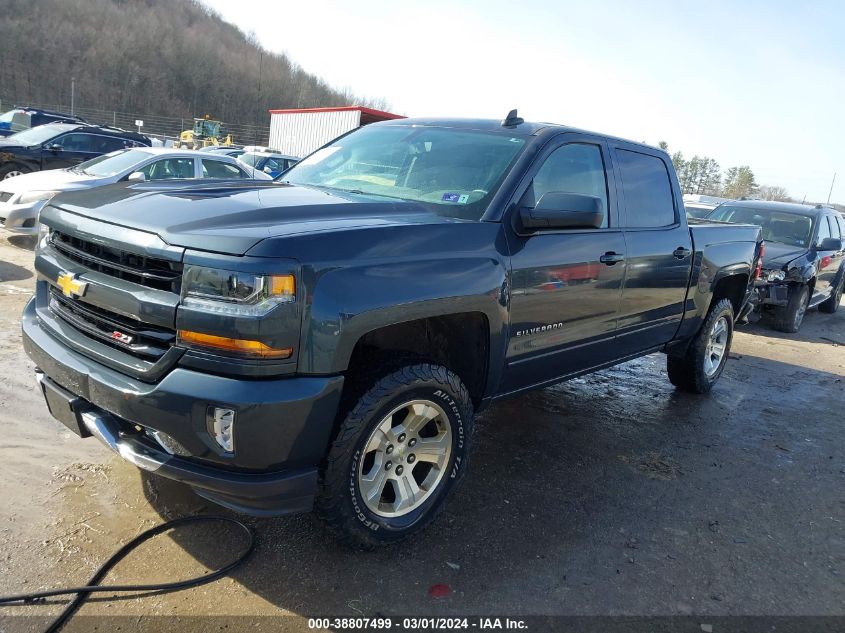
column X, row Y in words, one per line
column 611, row 494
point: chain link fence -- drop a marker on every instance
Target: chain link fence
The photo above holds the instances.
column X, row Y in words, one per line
column 161, row 127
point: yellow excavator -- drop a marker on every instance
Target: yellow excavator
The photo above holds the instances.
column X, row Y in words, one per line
column 206, row 132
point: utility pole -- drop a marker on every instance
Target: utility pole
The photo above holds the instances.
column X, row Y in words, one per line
column 829, row 193
column 72, row 89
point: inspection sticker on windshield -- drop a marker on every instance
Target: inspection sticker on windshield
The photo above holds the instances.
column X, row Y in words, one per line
column 454, row 197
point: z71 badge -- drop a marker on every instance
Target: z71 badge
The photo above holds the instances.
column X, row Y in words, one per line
column 121, row 337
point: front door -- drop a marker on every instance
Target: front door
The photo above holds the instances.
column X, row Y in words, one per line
column 67, row 150
column 566, row 284
column 827, row 261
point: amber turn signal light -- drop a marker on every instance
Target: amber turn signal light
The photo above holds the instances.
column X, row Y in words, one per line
column 242, row 347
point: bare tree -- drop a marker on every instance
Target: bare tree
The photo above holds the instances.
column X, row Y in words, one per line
column 774, row 192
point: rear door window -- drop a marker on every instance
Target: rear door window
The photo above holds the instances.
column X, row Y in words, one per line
column 648, row 190
column 106, row 144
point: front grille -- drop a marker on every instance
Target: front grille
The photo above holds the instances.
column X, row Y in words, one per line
column 139, row 339
column 160, row 274
column 4, row 196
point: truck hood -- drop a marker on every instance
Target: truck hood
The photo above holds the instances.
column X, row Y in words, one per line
column 49, row 180
column 778, row 255
column 233, row 216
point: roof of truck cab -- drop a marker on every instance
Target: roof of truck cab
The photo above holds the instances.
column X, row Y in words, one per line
column 527, row 128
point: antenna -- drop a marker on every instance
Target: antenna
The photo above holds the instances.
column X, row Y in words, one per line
column 512, row 120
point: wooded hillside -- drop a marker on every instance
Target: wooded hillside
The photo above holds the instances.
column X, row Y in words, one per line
column 167, row 57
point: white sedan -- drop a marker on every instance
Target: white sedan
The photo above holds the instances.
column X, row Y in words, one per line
column 22, row 197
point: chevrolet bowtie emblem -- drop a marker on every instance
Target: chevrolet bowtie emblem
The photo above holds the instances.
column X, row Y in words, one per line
column 71, row 286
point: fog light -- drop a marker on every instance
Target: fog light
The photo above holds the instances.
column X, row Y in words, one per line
column 221, row 426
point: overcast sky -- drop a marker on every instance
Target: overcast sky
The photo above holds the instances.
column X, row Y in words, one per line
column 756, row 83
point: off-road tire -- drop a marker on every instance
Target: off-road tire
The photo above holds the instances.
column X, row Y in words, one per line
column 789, row 317
column 687, row 372
column 831, row 305
column 339, row 503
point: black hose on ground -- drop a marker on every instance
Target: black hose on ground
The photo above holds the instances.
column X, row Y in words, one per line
column 93, row 586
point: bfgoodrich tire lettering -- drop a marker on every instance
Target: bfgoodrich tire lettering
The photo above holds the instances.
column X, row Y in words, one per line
column 340, row 501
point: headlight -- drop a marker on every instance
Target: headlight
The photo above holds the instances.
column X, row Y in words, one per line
column 235, row 293
column 43, row 236
column 35, row 196
column 775, row 275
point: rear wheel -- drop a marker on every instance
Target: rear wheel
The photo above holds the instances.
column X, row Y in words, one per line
column 832, row 304
column 789, row 317
column 699, row 369
column 398, row 454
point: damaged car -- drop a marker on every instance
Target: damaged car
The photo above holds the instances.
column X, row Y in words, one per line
column 804, row 263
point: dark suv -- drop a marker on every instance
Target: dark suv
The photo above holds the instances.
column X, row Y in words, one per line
column 23, row 118
column 58, row 145
column 804, row 262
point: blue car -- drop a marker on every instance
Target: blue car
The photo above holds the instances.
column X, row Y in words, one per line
column 23, row 118
column 271, row 163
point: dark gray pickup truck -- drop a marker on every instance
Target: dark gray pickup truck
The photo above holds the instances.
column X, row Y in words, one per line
column 325, row 340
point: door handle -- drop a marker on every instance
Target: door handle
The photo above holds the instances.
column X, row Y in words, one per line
column 610, row 258
column 681, row 252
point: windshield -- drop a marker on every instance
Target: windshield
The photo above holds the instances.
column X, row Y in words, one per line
column 453, row 172
column 111, row 164
column 36, row 135
column 793, row 229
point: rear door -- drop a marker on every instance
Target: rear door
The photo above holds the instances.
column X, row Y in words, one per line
column 564, row 298
column 659, row 247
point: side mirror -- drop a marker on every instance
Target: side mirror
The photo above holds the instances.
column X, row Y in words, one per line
column 560, row 210
column 830, row 244
column 54, row 147
column 136, row 176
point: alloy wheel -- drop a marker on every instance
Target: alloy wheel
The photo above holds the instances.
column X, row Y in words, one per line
column 717, row 345
column 405, row 458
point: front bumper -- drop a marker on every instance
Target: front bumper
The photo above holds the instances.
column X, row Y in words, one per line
column 775, row 294
column 21, row 218
column 282, row 426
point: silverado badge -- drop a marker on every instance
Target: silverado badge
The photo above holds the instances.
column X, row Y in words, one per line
column 70, row 285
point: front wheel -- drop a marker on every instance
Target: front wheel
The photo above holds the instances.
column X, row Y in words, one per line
column 699, row 369
column 12, row 170
column 790, row 317
column 831, row 305
column 398, row 455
